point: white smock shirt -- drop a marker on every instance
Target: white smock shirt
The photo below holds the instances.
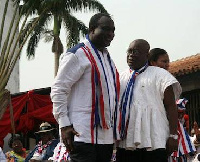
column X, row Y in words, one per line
column 148, row 125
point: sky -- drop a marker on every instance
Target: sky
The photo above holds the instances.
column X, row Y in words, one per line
column 173, row 25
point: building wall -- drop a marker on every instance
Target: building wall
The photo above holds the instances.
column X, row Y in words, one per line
column 189, row 82
column 13, row 84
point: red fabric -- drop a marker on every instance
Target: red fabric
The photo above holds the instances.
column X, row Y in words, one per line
column 39, row 107
column 186, row 117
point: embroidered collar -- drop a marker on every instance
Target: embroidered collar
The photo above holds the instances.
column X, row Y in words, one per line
column 41, row 147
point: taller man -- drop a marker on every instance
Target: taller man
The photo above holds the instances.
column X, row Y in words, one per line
column 85, row 94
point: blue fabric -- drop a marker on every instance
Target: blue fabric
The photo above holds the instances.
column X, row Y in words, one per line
column 75, row 48
column 48, row 154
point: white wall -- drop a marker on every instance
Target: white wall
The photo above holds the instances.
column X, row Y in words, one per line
column 13, row 84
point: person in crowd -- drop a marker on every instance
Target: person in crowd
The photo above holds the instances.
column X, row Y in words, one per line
column 159, row 57
column 85, row 93
column 186, row 149
column 18, row 153
column 192, row 132
column 147, row 122
column 2, row 156
column 45, row 148
column 182, row 116
column 60, row 153
column 196, row 141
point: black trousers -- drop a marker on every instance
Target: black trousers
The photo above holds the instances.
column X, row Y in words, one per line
column 86, row 152
column 141, row 155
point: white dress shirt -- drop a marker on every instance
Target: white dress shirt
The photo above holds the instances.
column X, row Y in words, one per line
column 71, row 95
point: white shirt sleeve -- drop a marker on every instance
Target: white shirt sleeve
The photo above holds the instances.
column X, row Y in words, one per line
column 2, row 156
column 69, row 72
column 166, row 79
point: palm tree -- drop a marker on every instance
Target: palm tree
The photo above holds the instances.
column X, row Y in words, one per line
column 60, row 11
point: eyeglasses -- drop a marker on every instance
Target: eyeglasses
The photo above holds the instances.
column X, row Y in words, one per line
column 133, row 51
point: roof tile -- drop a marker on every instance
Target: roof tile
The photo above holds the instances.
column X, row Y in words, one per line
column 186, row 65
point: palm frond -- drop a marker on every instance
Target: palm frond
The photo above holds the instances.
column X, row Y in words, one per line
column 35, row 5
column 87, row 5
column 3, row 20
column 48, row 35
column 74, row 28
column 36, row 34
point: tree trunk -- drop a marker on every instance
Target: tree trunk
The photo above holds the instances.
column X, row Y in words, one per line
column 57, row 46
column 57, row 49
column 56, row 63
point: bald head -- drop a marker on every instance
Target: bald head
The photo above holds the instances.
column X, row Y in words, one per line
column 143, row 43
column 137, row 53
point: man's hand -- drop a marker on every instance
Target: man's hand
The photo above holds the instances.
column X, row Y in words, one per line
column 67, row 134
column 172, row 145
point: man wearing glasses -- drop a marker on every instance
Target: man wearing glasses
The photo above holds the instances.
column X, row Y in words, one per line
column 147, row 124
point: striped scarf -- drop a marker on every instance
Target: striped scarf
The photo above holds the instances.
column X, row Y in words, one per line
column 41, row 147
column 126, row 101
column 65, row 155
column 185, row 146
column 100, row 95
column 182, row 158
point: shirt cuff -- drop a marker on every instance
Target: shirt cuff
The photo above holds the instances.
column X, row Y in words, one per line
column 64, row 121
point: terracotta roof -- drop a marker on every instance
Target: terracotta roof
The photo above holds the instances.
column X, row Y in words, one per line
column 186, row 65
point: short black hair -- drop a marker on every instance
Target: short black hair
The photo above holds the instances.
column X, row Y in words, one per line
column 94, row 20
column 14, row 138
column 144, row 43
column 155, row 53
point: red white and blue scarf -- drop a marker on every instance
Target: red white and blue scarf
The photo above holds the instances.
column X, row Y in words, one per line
column 185, row 146
column 99, row 115
column 126, row 101
column 42, row 147
column 177, row 159
column 65, row 155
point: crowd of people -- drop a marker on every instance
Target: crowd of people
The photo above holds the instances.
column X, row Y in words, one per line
column 137, row 113
column 48, row 148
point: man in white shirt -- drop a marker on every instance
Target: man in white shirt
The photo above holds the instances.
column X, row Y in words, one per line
column 85, row 94
column 148, row 120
